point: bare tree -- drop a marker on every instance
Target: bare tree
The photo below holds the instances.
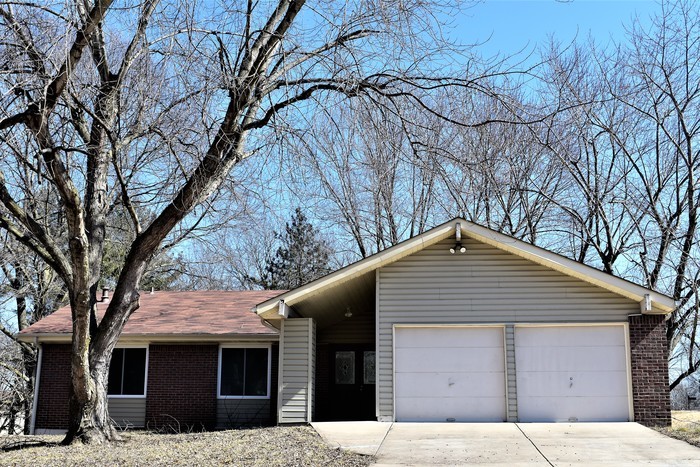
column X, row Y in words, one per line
column 628, row 142
column 153, row 104
column 30, row 290
column 365, row 173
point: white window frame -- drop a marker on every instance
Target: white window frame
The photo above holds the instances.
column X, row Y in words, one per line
column 244, row 346
column 145, row 378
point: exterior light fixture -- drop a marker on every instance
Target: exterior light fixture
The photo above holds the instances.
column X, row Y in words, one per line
column 458, row 237
column 348, row 313
column 458, row 247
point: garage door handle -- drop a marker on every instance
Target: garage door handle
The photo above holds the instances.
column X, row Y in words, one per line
column 571, row 382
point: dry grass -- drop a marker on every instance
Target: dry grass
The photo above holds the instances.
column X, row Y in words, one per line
column 685, row 426
column 276, row 446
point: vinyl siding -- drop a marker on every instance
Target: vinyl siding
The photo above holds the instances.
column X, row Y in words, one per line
column 236, row 412
column 128, row 412
column 484, row 285
column 358, row 329
column 296, row 370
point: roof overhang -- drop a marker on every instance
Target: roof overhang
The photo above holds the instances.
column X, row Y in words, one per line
column 270, row 309
column 651, row 302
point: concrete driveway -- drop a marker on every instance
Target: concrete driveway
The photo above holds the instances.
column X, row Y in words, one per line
column 510, row 444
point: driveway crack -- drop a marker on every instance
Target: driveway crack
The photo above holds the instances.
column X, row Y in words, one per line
column 384, row 438
column 534, row 445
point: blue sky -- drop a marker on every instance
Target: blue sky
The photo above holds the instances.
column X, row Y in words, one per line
column 515, row 24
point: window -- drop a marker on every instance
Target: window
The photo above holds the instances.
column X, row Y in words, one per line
column 244, row 372
column 127, row 372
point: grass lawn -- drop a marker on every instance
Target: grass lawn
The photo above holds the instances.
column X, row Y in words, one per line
column 288, row 446
column 685, row 426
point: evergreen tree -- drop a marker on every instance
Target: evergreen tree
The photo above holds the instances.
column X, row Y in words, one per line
column 302, row 257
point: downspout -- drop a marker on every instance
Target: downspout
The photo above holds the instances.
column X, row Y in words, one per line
column 37, row 378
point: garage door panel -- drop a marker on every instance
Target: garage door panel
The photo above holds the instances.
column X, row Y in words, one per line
column 445, row 373
column 436, row 385
column 475, row 410
column 565, row 336
column 582, row 409
column 573, row 384
column 571, row 373
column 546, row 357
column 457, row 337
column 449, row 359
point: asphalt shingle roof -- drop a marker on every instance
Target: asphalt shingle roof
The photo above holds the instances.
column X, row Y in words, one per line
column 180, row 313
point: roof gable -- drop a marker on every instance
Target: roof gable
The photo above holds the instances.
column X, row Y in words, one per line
column 661, row 303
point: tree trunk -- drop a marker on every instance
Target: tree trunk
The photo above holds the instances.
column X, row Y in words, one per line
column 89, row 420
column 29, row 356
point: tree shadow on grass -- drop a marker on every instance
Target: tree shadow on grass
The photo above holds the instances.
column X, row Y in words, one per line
column 15, row 444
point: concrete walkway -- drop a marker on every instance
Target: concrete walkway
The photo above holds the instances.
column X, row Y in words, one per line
column 510, row 444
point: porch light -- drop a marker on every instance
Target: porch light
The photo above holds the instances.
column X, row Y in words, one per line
column 348, row 313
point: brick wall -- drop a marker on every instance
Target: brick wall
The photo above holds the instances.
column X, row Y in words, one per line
column 182, row 387
column 54, row 387
column 652, row 404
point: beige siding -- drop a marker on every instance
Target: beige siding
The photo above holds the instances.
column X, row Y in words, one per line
column 231, row 413
column 296, row 370
column 484, row 285
column 358, row 329
column 128, row 412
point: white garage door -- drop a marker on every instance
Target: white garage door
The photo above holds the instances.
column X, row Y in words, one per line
column 571, row 373
column 449, row 373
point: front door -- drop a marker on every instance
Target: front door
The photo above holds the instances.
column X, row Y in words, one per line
column 353, row 382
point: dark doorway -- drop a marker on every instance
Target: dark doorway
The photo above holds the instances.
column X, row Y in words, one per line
column 352, row 382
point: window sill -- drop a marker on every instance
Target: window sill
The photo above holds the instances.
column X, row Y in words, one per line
column 243, row 397
column 126, row 396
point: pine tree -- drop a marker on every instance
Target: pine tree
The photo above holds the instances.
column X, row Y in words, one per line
column 302, row 257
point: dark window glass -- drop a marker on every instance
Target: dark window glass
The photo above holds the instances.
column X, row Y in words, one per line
column 232, row 371
column 114, row 384
column 134, row 371
column 244, row 372
column 256, row 372
column 127, row 372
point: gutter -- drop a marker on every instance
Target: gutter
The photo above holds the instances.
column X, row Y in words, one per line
column 65, row 338
column 37, row 379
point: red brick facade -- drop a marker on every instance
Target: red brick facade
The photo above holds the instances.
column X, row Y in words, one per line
column 182, row 386
column 652, row 404
column 54, row 387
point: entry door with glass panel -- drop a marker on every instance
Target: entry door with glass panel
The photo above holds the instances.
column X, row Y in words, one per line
column 353, row 382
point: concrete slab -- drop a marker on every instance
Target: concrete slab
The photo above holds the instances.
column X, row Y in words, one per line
column 510, row 444
column 618, row 444
column 360, row 437
column 457, row 444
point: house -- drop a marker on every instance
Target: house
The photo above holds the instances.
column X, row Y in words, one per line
column 460, row 323
column 185, row 360
column 465, row 324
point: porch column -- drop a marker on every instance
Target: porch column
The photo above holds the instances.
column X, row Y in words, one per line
column 297, row 362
